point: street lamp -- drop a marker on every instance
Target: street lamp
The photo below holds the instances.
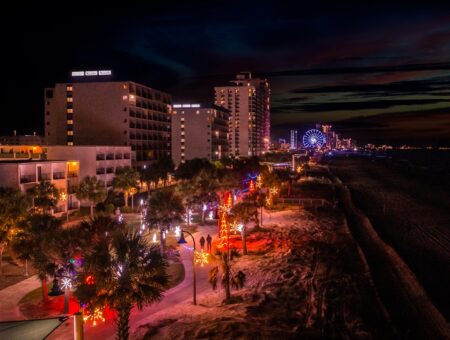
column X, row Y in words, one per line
column 183, row 241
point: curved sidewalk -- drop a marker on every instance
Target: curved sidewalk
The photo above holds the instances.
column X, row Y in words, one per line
column 10, row 297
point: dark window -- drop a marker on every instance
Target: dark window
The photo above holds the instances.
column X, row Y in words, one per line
column 48, row 113
column 48, row 123
column 49, row 94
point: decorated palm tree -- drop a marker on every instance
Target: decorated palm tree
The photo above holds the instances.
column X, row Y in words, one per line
column 13, row 208
column 44, row 196
column 165, row 208
column 124, row 272
column 126, row 180
column 241, row 214
column 93, row 190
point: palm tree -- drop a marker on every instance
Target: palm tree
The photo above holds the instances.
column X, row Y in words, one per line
column 225, row 259
column 243, row 212
column 44, row 195
column 35, row 244
column 238, row 280
column 127, row 272
column 93, row 190
column 97, row 228
column 205, row 186
column 126, row 180
column 13, row 207
column 164, row 209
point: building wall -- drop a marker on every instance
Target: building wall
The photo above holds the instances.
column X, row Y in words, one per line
column 9, row 175
column 249, row 103
column 93, row 160
column 26, row 175
column 191, row 134
column 110, row 113
column 199, row 133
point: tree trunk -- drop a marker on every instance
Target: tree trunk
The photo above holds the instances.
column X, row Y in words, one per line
column 262, row 216
column 126, row 199
column 227, row 283
column 162, row 241
column 26, row 267
column 44, row 290
column 1, row 259
column 203, row 216
column 244, row 240
column 132, row 201
column 92, row 210
column 123, row 318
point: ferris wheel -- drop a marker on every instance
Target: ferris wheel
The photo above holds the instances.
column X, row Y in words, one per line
column 313, row 139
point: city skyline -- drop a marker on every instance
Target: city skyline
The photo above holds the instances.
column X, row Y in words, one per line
column 376, row 73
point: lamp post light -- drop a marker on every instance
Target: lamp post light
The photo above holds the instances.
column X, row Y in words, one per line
column 183, row 241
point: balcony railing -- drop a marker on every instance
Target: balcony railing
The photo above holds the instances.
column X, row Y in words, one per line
column 27, row 179
column 44, row 177
column 72, row 174
column 59, row 175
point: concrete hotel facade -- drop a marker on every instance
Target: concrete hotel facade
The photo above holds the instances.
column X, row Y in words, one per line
column 25, row 174
column 100, row 161
column 121, row 113
column 199, row 132
column 248, row 100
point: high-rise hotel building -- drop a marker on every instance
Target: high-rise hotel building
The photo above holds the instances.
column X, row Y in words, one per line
column 248, row 100
column 110, row 113
column 199, row 132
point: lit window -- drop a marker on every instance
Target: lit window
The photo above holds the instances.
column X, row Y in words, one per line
column 182, row 126
column 70, row 143
column 70, row 122
column 69, row 88
column 182, row 119
column 69, row 110
column 125, row 86
column 182, row 154
column 124, row 97
column 70, row 133
column 69, row 100
column 182, row 140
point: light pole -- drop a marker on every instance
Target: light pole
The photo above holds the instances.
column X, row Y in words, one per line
column 183, row 241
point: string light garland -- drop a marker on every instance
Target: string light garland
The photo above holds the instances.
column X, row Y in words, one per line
column 201, row 257
column 66, row 283
column 97, row 315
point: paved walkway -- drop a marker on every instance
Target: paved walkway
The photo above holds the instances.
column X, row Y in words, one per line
column 180, row 293
column 10, row 297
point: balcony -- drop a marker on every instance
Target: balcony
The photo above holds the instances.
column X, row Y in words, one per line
column 100, row 157
column 72, row 174
column 44, row 177
column 27, row 179
column 59, row 175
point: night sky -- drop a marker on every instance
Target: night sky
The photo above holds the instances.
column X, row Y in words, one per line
column 379, row 74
